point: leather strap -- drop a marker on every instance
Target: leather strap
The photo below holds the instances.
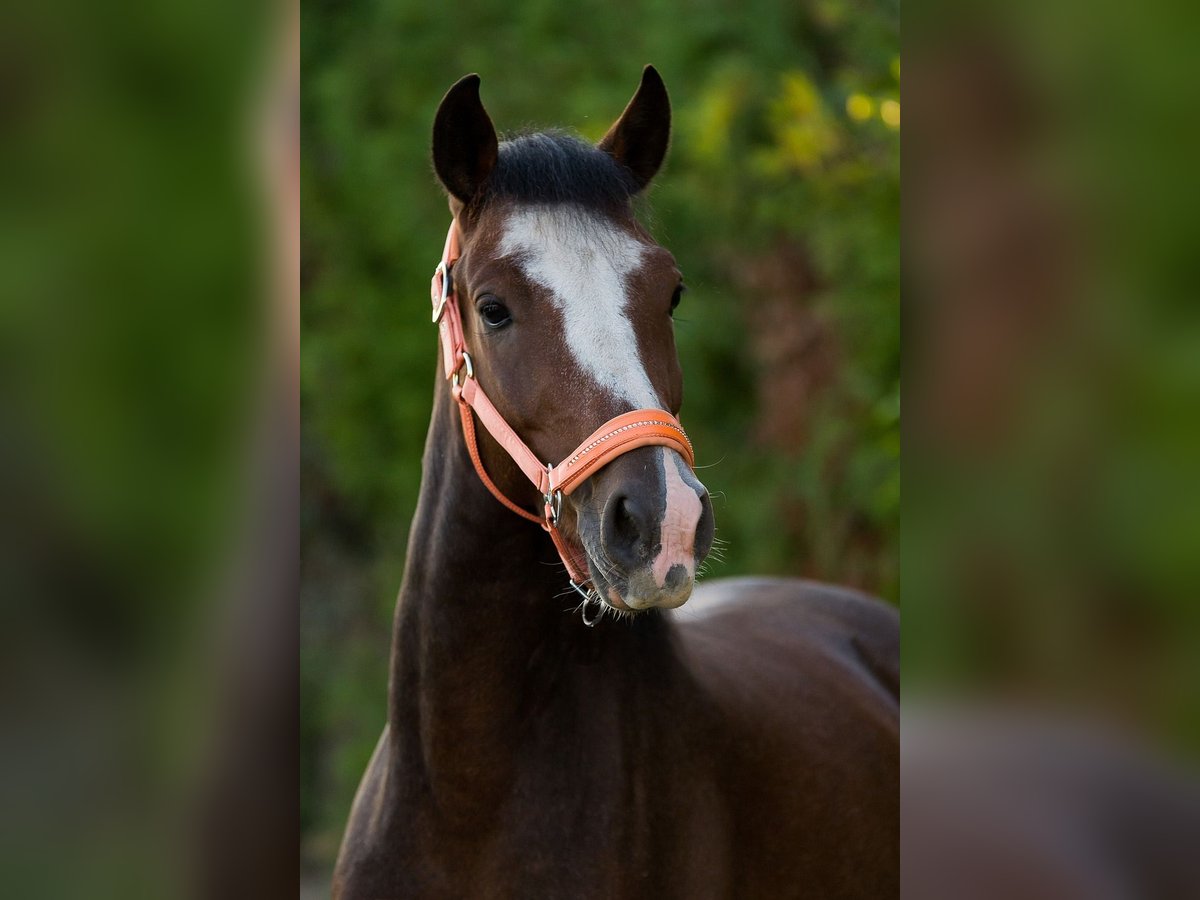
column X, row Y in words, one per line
column 445, row 307
column 468, row 425
column 619, row 435
column 640, row 428
column 472, row 395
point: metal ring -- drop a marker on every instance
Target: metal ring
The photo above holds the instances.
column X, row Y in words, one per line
column 445, row 294
column 468, row 365
column 554, row 504
column 589, row 597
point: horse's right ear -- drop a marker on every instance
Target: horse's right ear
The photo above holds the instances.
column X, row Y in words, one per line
column 464, row 141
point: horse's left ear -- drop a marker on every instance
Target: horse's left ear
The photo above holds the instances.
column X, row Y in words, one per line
column 638, row 140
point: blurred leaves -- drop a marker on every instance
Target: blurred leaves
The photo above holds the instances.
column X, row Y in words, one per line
column 135, row 368
column 1051, row 554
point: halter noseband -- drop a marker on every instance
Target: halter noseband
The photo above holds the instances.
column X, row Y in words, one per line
column 639, row 428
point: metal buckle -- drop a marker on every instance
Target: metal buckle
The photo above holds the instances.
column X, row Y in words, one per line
column 443, row 270
column 468, row 365
column 553, row 506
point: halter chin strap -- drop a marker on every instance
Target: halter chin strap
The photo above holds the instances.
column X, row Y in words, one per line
column 639, row 428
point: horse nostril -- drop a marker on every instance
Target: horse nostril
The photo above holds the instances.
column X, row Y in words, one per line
column 624, row 519
column 628, row 531
column 677, row 576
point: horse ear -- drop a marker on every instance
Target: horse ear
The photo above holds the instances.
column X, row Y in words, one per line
column 464, row 141
column 638, row 140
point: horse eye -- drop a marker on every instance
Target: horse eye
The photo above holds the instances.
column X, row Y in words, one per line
column 677, row 296
column 495, row 313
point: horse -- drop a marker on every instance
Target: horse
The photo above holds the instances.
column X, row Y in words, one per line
column 608, row 745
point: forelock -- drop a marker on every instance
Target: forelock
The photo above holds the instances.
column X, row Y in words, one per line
column 552, row 167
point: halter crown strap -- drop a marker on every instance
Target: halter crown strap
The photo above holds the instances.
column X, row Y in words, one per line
column 619, row 435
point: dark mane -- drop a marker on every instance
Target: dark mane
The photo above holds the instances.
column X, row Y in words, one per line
column 557, row 167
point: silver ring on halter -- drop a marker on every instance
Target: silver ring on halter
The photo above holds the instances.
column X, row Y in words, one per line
column 599, row 610
column 445, row 294
column 589, row 597
column 554, row 504
column 467, row 364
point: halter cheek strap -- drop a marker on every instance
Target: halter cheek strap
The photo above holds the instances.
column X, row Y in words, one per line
column 628, row 431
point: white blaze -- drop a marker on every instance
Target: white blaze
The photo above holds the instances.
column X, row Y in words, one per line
column 585, row 263
column 681, row 514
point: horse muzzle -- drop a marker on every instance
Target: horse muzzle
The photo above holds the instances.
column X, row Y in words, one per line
column 647, row 524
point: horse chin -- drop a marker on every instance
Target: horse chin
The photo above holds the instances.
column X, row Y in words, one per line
column 643, row 592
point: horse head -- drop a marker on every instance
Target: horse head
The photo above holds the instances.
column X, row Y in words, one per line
column 566, row 304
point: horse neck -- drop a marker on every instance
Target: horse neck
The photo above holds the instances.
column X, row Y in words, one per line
column 483, row 637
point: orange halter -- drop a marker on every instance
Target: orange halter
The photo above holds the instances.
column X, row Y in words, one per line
column 628, row 431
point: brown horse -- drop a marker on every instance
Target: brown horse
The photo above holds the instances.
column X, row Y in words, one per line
column 744, row 746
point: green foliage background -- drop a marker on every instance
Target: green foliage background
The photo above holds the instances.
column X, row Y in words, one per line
column 780, row 198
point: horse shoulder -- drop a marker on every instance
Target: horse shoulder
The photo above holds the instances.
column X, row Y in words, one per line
column 796, row 623
column 801, row 683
